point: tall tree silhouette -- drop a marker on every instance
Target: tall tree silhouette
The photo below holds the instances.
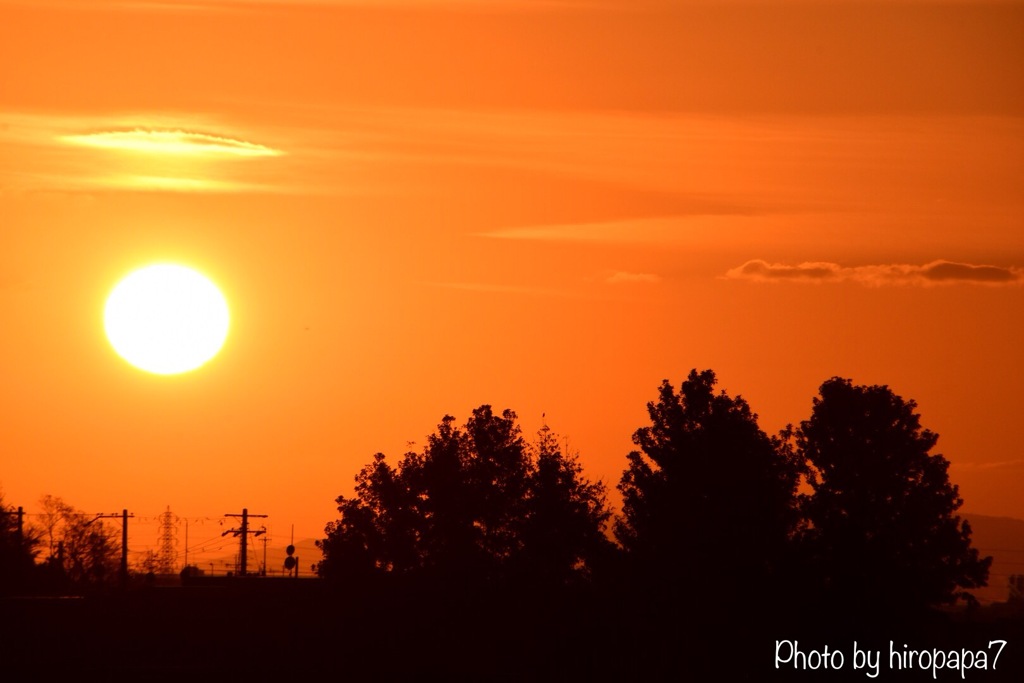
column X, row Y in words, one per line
column 564, row 528
column 478, row 503
column 709, row 499
column 883, row 523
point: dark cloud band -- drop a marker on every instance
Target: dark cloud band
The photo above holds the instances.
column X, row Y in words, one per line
column 934, row 273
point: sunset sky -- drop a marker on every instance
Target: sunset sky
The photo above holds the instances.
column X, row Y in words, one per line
column 414, row 207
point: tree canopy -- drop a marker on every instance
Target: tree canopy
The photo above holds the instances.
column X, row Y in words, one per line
column 709, row 498
column 478, row 503
column 883, row 523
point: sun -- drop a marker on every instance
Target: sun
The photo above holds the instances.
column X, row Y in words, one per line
column 166, row 319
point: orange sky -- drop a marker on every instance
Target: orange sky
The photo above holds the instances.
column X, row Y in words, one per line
column 418, row 206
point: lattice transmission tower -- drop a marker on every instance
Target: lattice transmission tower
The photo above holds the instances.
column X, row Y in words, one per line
column 167, row 554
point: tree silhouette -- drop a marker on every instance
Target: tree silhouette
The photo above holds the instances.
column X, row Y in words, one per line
column 82, row 549
column 709, row 500
column 17, row 552
column 883, row 528
column 478, row 503
column 563, row 530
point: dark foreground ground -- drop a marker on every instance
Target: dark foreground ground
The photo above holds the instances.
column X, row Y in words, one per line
column 267, row 629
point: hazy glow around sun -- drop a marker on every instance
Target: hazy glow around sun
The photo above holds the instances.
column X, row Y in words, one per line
column 166, row 319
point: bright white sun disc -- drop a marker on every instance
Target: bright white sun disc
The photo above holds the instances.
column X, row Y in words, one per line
column 166, row 319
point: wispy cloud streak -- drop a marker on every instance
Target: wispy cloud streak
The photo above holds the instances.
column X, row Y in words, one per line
column 215, row 5
column 700, row 228
column 993, row 465
column 624, row 277
column 930, row 274
column 489, row 288
column 137, row 153
column 170, row 142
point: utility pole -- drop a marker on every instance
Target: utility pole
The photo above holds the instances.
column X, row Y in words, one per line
column 124, row 546
column 124, row 541
column 243, row 532
column 266, row 538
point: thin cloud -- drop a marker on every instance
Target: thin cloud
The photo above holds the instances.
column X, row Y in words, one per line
column 221, row 5
column 624, row 277
column 487, row 288
column 946, row 271
column 698, row 229
column 661, row 152
column 153, row 183
column 762, row 271
column 171, row 142
column 611, row 231
column 930, row 274
column 993, row 465
column 476, row 5
column 137, row 153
